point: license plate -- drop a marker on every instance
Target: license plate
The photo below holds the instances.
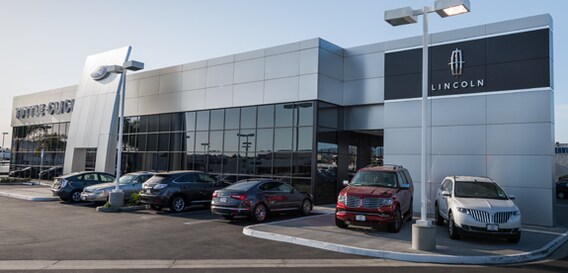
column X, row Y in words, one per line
column 148, row 191
column 492, row 227
column 84, row 198
column 360, row 218
column 223, row 199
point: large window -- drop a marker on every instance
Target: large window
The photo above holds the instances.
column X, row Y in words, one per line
column 272, row 141
column 38, row 147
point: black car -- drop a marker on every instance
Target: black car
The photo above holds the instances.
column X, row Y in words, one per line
column 562, row 189
column 179, row 189
column 258, row 197
column 68, row 187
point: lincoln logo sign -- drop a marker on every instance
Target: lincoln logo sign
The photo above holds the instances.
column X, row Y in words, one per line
column 41, row 110
column 456, row 68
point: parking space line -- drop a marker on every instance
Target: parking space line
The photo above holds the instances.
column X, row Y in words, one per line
column 546, row 232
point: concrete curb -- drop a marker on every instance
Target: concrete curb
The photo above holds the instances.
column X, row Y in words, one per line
column 28, row 198
column 122, row 209
column 410, row 257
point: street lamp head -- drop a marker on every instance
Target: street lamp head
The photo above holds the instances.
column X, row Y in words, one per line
column 446, row 8
column 133, row 65
column 401, row 16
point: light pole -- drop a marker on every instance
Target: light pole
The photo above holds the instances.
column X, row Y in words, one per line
column 116, row 196
column 3, row 148
column 246, row 145
column 423, row 233
column 206, row 150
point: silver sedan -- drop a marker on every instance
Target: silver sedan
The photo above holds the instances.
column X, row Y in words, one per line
column 129, row 183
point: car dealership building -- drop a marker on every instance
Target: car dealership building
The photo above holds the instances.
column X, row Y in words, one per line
column 311, row 112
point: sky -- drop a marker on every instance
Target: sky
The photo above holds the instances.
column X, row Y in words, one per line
column 44, row 43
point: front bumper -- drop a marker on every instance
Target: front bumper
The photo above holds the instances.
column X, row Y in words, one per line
column 92, row 197
column 364, row 218
column 468, row 225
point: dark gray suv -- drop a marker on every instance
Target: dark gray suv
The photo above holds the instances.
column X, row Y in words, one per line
column 179, row 189
column 68, row 187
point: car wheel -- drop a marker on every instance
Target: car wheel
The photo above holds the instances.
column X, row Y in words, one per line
column 306, row 207
column 561, row 195
column 177, row 204
column 452, row 229
column 75, row 196
column 340, row 224
column 515, row 238
column 259, row 213
column 438, row 216
column 228, row 217
column 156, row 207
column 395, row 226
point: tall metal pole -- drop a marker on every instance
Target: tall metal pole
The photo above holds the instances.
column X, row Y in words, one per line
column 3, row 148
column 423, row 162
column 120, row 131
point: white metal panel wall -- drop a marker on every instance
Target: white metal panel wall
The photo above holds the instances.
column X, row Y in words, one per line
column 96, row 104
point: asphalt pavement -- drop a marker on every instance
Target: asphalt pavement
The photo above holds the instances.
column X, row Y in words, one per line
column 319, row 231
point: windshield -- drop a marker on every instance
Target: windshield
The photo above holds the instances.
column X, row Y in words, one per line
column 373, row 178
column 479, row 190
column 125, row 179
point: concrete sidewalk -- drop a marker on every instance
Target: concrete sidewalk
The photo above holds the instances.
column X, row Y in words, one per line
column 319, row 231
column 33, row 191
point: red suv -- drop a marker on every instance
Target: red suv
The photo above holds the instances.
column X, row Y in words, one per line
column 377, row 195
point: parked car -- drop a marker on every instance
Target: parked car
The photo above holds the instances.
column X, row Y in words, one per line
column 50, row 173
column 129, row 183
column 256, row 198
column 377, row 195
column 68, row 187
column 179, row 189
column 562, row 189
column 477, row 205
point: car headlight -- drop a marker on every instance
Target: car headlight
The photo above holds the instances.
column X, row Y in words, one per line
column 341, row 198
column 98, row 191
column 386, row 202
column 160, row 186
column 465, row 211
column 516, row 213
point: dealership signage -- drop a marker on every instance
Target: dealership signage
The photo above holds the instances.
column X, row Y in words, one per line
column 501, row 63
column 42, row 110
column 456, row 68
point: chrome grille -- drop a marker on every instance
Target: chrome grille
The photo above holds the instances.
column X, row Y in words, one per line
column 481, row 216
column 502, row 217
column 353, row 202
column 485, row 217
column 372, row 203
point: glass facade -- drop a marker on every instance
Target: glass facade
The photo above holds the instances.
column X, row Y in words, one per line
column 38, row 147
column 273, row 141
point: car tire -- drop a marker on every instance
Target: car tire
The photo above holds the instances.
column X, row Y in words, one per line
column 75, row 196
column 306, row 207
column 340, row 224
column 438, row 216
column 259, row 213
column 514, row 239
column 156, row 207
column 64, row 199
column 228, row 217
column 452, row 229
column 561, row 195
column 396, row 225
column 177, row 204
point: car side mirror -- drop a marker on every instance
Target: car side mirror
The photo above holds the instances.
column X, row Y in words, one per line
column 345, row 182
column 405, row 186
column 446, row 193
column 512, row 196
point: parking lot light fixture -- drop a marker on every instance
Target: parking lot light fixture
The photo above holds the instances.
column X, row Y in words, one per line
column 403, row 16
column 116, row 196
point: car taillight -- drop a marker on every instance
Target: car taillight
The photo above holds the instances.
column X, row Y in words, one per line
column 215, row 194
column 240, row 196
